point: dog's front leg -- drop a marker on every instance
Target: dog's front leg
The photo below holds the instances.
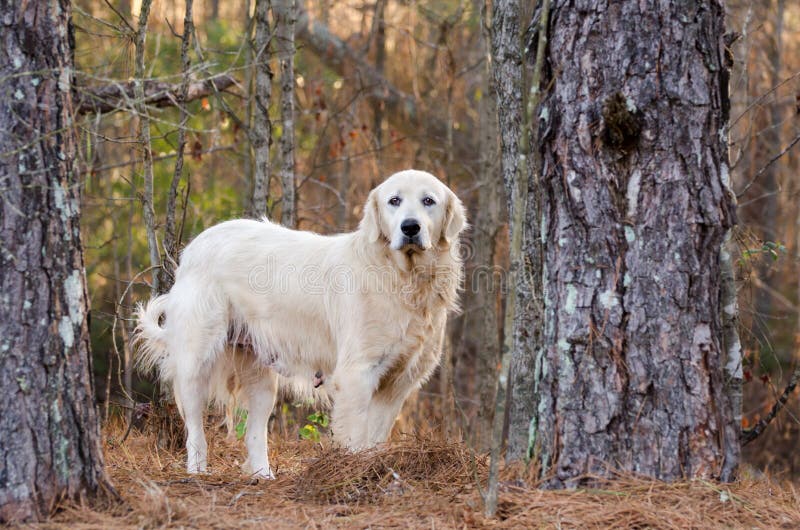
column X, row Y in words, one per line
column 382, row 413
column 353, row 387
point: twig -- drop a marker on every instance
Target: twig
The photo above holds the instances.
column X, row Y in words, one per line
column 749, row 435
column 762, row 97
column 121, row 17
column 210, row 150
column 116, row 318
column 768, row 164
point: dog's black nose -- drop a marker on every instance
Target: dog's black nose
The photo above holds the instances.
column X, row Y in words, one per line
column 409, row 227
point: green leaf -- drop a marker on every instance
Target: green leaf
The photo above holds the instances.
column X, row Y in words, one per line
column 320, row 418
column 241, row 425
column 309, row 432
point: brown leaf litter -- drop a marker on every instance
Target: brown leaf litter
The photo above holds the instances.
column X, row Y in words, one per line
column 413, row 482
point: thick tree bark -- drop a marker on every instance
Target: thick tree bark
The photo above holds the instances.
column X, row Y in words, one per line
column 635, row 207
column 49, row 435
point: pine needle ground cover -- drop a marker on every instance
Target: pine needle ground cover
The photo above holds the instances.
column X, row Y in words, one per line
column 410, row 483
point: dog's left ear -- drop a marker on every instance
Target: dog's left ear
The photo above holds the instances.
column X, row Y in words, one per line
column 455, row 218
column 370, row 222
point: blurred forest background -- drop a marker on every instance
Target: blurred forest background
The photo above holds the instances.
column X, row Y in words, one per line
column 381, row 86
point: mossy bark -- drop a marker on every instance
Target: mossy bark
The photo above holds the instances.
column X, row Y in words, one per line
column 49, row 435
column 635, row 209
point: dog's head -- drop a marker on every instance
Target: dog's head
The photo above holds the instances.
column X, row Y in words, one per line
column 414, row 211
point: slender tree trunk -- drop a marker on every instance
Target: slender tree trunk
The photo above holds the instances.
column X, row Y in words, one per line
column 144, row 142
column 247, row 83
column 170, row 261
column 49, row 428
column 635, row 210
column 480, row 326
column 507, row 46
column 285, row 16
column 380, row 67
column 261, row 133
column 214, row 10
column 529, row 317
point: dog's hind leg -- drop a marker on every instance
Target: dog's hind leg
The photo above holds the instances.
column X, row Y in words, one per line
column 259, row 390
column 191, row 394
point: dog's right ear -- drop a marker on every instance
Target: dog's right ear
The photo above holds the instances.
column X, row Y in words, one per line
column 371, row 221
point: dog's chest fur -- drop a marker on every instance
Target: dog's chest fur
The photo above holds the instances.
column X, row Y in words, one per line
column 411, row 355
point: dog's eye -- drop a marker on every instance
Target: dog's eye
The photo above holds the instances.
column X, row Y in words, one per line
column 428, row 201
column 395, row 201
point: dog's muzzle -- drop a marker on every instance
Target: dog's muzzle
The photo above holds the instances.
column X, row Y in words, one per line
column 410, row 229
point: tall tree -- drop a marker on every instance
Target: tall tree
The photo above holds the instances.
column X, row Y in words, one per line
column 635, row 207
column 49, row 435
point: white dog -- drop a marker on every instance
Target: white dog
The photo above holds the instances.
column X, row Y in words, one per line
column 363, row 311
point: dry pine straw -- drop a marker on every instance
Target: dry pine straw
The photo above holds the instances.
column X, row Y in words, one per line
column 410, row 483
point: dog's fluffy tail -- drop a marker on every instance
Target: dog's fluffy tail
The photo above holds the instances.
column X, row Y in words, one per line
column 149, row 337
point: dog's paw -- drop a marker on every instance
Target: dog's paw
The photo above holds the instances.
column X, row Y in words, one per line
column 258, row 472
column 264, row 475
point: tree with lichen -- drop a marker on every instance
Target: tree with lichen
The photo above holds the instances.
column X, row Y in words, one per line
column 49, row 434
column 635, row 208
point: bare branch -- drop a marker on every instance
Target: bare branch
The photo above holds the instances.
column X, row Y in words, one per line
column 768, row 164
column 108, row 98
column 749, row 435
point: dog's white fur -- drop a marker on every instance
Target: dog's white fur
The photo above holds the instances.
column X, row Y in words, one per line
column 367, row 309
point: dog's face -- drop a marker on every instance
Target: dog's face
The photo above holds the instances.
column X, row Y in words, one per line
column 413, row 210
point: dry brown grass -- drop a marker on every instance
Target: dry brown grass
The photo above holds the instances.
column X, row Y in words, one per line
column 410, row 483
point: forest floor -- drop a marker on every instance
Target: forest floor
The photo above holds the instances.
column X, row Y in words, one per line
column 410, row 483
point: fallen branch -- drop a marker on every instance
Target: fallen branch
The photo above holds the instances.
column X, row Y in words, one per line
column 749, row 435
column 115, row 96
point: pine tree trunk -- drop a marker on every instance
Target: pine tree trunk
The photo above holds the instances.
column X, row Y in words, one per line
column 49, row 436
column 635, row 207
